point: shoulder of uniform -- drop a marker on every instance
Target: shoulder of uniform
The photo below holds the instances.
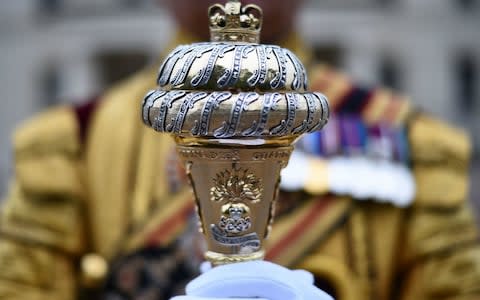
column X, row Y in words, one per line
column 115, row 136
column 120, row 107
column 55, row 130
column 440, row 155
column 436, row 232
column 126, row 93
column 47, row 150
column 117, row 118
column 435, row 141
column 373, row 105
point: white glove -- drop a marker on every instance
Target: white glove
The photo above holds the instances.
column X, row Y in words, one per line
column 253, row 280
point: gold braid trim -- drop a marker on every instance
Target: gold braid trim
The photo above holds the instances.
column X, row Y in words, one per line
column 359, row 249
column 435, row 142
column 47, row 154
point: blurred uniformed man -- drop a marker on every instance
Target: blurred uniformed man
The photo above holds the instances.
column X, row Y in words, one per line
column 378, row 210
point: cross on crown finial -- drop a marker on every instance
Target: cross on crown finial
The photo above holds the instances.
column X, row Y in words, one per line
column 235, row 23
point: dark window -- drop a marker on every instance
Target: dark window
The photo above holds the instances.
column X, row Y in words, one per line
column 132, row 3
column 349, row 4
column 466, row 76
column 466, row 4
column 50, row 85
column 329, row 54
column 50, row 7
column 389, row 74
column 386, row 2
column 116, row 65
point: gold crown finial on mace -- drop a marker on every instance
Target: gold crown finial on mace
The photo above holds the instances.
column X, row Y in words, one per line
column 235, row 23
column 234, row 107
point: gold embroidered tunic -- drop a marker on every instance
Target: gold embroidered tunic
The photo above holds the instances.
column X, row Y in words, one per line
column 93, row 184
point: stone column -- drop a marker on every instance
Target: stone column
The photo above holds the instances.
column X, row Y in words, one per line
column 428, row 77
column 17, row 94
column 78, row 77
column 361, row 63
column 419, row 7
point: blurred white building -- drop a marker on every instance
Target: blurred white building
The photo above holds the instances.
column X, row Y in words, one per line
column 54, row 51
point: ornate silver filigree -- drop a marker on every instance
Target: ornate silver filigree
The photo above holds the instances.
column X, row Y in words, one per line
column 177, row 68
column 202, row 127
column 286, row 125
column 230, row 128
column 270, row 103
column 281, row 78
column 159, row 124
column 148, row 102
column 177, row 122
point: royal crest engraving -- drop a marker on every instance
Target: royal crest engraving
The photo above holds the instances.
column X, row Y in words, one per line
column 235, row 218
column 236, row 185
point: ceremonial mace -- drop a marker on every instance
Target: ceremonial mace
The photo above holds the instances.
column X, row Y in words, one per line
column 234, row 107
